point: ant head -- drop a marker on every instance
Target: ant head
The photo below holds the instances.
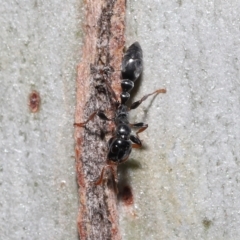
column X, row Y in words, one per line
column 123, row 131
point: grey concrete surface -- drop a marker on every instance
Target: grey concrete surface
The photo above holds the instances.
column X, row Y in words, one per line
column 39, row 49
column 185, row 180
column 187, row 185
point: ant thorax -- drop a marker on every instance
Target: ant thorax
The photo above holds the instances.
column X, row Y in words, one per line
column 121, row 115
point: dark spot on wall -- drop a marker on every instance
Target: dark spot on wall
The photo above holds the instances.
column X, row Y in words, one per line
column 126, row 195
column 207, row 223
column 34, row 101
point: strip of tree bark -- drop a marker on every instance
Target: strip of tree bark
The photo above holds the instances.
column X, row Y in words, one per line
column 98, row 73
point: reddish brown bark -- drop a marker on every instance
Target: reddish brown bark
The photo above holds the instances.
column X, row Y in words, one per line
column 101, row 61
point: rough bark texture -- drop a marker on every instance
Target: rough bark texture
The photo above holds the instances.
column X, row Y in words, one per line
column 98, row 70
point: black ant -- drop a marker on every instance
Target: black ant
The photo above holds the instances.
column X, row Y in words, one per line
column 121, row 143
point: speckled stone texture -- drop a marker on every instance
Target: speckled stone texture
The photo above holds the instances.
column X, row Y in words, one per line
column 185, row 181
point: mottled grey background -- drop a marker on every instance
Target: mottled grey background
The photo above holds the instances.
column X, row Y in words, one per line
column 185, row 180
column 39, row 48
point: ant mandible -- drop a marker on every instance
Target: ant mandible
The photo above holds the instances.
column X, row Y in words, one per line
column 121, row 143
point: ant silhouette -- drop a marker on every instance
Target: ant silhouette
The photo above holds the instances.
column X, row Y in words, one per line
column 122, row 141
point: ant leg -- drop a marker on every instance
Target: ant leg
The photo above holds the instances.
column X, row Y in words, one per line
column 136, row 104
column 135, row 139
column 102, row 116
column 84, row 123
column 136, row 142
column 100, row 180
column 99, row 113
column 143, row 127
column 134, row 145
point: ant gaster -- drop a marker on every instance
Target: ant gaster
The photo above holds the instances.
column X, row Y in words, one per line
column 122, row 141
